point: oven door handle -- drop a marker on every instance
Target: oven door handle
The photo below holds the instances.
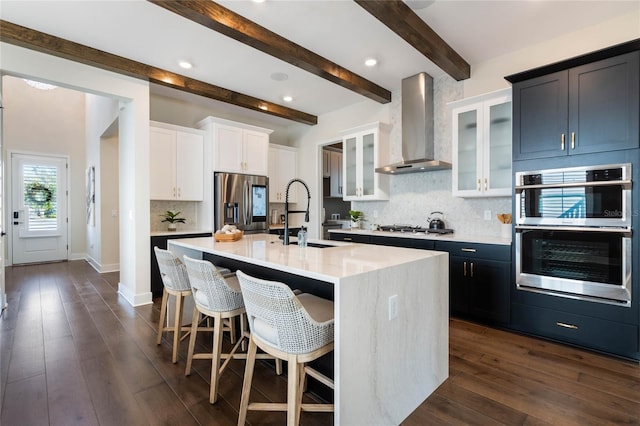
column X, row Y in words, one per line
column 626, row 232
column 626, row 184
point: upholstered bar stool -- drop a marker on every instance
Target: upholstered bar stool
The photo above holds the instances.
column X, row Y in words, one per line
column 220, row 298
column 297, row 329
column 176, row 283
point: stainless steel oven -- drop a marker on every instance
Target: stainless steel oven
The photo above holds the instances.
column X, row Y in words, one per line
column 573, row 233
column 578, row 196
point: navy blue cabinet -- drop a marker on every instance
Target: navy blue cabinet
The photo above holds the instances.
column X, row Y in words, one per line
column 161, row 242
column 585, row 109
column 479, row 281
column 349, row 237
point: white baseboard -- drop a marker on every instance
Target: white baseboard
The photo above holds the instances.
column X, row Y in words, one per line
column 135, row 299
column 78, row 256
column 114, row 267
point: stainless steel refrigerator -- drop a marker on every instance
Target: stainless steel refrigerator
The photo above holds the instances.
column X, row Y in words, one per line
column 241, row 200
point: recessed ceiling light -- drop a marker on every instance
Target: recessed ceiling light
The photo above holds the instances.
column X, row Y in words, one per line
column 279, row 76
column 370, row 62
column 185, row 64
column 258, row 1
column 287, row 98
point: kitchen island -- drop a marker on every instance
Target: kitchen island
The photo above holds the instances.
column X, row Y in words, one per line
column 391, row 316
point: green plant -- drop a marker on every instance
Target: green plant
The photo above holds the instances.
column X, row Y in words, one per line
column 172, row 217
column 356, row 216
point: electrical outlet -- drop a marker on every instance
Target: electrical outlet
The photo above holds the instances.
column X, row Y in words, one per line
column 487, row 215
column 393, row 307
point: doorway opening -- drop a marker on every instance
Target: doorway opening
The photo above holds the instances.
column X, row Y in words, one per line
column 335, row 211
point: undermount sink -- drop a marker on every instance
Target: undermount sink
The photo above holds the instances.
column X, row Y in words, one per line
column 316, row 245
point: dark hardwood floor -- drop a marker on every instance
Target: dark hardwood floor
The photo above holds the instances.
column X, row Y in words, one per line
column 72, row 352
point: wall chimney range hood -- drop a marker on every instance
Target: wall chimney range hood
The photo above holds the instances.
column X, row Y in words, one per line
column 417, row 128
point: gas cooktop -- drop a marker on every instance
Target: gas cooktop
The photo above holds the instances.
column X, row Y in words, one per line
column 413, row 229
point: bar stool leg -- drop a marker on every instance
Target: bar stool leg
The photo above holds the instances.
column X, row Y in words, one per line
column 293, row 383
column 163, row 312
column 215, row 360
column 192, row 340
column 301, row 386
column 246, row 385
column 177, row 327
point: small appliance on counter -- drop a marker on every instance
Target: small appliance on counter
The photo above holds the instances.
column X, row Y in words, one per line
column 436, row 223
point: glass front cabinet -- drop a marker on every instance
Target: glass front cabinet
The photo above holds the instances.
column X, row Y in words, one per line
column 364, row 149
column 482, row 145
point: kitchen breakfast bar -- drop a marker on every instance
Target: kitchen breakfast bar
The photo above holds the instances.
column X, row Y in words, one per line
column 391, row 310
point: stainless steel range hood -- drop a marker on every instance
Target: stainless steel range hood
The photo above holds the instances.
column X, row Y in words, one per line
column 417, row 128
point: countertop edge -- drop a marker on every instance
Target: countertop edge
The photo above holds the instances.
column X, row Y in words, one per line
column 454, row 238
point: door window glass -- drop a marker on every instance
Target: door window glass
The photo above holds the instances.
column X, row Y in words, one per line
column 40, row 197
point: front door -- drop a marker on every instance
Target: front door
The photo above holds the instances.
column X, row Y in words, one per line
column 39, row 208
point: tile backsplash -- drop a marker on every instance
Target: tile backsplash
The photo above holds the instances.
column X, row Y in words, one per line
column 187, row 209
column 415, row 196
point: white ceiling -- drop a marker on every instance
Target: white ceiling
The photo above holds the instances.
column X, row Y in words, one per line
column 338, row 30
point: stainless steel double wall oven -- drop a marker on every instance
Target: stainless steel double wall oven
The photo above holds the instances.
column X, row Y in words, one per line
column 573, row 232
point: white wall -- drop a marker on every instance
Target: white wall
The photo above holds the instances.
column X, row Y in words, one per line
column 49, row 122
column 101, row 116
column 133, row 95
column 489, row 76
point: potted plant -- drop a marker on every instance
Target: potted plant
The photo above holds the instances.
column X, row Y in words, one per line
column 173, row 219
column 356, row 218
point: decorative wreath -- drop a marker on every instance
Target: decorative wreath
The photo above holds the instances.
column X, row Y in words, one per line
column 37, row 193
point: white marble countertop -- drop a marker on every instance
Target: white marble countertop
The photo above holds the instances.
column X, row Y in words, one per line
column 325, row 264
column 454, row 237
column 180, row 232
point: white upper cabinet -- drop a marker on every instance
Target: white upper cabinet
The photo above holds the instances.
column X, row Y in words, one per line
column 364, row 149
column 283, row 166
column 482, row 145
column 326, row 163
column 238, row 147
column 176, row 162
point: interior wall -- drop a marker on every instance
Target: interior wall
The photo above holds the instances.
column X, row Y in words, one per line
column 183, row 113
column 108, row 183
column 49, row 122
column 101, row 116
column 489, row 76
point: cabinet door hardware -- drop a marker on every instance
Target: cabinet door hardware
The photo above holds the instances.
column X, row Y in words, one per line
column 573, row 140
column 470, row 250
column 562, row 142
column 347, row 239
column 464, row 269
column 565, row 325
column 478, row 184
column 471, row 270
column 486, row 184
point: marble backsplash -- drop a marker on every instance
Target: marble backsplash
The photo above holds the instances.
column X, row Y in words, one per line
column 187, row 209
column 415, row 196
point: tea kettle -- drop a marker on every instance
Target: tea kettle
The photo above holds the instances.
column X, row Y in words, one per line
column 436, row 222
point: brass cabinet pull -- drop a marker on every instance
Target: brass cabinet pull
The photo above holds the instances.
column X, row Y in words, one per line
column 486, row 183
column 179, row 193
column 347, row 239
column 565, row 325
column 174, row 192
column 562, row 142
column 470, row 250
column 464, row 269
column 479, row 184
column 471, row 270
column 573, row 140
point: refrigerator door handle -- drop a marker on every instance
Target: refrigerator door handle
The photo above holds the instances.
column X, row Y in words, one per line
column 247, row 202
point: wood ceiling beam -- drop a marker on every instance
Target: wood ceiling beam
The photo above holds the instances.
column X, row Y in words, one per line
column 403, row 21
column 225, row 21
column 31, row 39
